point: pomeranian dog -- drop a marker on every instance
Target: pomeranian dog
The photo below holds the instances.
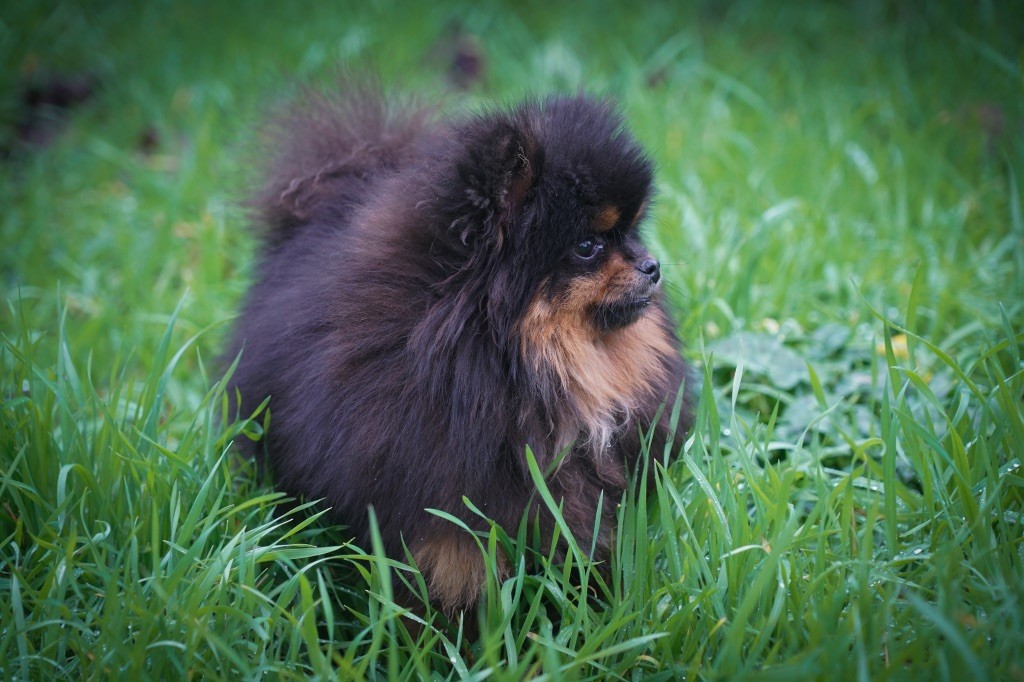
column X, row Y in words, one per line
column 435, row 294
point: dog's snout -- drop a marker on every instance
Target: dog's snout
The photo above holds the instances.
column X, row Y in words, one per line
column 650, row 268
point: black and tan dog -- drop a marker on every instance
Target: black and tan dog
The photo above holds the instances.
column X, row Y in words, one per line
column 436, row 294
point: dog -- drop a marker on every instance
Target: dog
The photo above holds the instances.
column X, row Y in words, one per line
column 436, row 293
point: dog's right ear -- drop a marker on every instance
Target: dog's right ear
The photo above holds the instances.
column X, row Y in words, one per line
column 494, row 170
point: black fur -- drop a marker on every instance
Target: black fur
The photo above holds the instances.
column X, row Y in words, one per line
column 400, row 254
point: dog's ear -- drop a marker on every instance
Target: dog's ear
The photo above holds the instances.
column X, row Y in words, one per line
column 494, row 171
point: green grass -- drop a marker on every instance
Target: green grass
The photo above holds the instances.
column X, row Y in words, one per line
column 840, row 218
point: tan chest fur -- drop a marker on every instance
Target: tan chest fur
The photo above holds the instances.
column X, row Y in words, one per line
column 603, row 376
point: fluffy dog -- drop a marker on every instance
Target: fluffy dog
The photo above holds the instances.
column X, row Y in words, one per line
column 433, row 295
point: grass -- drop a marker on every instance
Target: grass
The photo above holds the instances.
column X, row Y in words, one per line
column 840, row 217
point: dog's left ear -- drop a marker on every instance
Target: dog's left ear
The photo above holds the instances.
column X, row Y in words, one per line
column 494, row 173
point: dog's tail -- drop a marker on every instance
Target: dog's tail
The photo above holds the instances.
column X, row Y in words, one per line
column 321, row 152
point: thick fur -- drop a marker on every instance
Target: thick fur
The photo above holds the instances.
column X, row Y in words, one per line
column 420, row 314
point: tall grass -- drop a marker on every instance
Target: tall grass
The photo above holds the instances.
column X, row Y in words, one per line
column 839, row 217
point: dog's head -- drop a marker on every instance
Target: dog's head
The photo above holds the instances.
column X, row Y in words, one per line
column 548, row 199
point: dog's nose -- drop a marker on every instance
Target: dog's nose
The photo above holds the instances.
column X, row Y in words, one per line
column 650, row 268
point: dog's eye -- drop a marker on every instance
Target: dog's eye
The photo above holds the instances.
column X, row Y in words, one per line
column 588, row 248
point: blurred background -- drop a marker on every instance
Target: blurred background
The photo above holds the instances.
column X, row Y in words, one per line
column 803, row 148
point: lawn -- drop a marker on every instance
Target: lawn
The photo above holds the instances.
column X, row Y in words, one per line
column 840, row 222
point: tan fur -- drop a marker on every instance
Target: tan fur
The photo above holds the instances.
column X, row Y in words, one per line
column 454, row 568
column 605, row 374
column 606, row 218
